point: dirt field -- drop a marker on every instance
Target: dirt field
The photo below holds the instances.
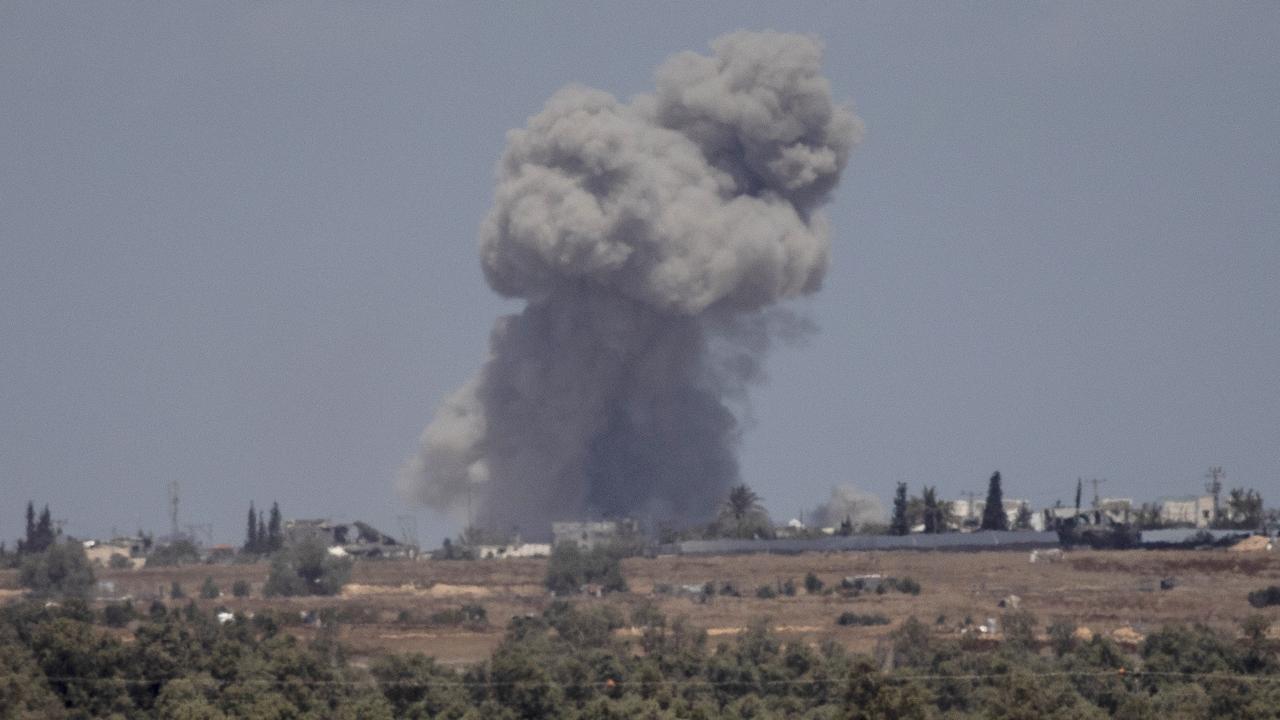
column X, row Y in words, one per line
column 385, row 604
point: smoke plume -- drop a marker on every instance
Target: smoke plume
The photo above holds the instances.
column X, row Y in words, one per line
column 649, row 240
column 847, row 502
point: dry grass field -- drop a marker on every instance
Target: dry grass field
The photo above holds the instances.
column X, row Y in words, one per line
column 1116, row 592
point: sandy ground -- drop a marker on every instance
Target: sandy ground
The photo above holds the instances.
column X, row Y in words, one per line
column 1117, row 593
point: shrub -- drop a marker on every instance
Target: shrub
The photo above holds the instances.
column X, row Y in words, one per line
column 789, row 588
column 472, row 615
column 118, row 561
column 60, row 571
column 766, row 592
column 209, row 589
column 1265, row 597
column 852, row 618
column 589, row 626
column 1020, row 628
column 812, row 584
column 240, row 588
column 570, row 568
column 176, row 592
column 118, row 614
column 181, row 552
column 307, row 568
column 909, row 586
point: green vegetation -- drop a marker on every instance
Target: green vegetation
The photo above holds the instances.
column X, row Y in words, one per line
column 569, row 662
column 812, row 584
column 1265, row 597
column 59, row 570
column 900, row 524
column 178, row 552
column 743, row 516
column 570, row 568
column 263, row 536
column 470, row 615
column 118, row 614
column 993, row 517
column 306, row 568
column 209, row 589
column 852, row 618
column 240, row 589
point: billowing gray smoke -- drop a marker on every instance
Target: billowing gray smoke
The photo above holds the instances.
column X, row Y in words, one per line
column 648, row 240
column 847, row 502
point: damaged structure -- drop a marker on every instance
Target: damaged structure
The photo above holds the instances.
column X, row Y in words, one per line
column 355, row 538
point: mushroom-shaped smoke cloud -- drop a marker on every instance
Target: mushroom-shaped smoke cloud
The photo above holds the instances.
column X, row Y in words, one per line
column 647, row 239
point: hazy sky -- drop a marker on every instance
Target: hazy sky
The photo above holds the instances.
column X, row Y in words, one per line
column 238, row 246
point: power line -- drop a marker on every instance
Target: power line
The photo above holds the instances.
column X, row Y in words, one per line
column 1121, row 673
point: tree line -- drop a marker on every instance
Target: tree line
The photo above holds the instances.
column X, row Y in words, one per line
column 569, row 662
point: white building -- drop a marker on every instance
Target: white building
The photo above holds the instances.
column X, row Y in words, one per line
column 1196, row 511
column 513, row 550
column 964, row 515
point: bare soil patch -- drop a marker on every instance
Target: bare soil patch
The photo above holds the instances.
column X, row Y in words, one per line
column 1116, row 593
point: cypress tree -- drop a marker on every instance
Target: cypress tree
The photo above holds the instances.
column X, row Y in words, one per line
column 993, row 517
column 24, row 546
column 899, row 525
column 251, row 534
column 262, row 534
column 275, row 539
column 932, row 513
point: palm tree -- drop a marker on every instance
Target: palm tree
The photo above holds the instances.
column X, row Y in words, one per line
column 743, row 516
column 743, row 502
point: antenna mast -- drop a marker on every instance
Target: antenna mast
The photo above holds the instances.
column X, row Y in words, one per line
column 1214, row 486
column 1097, row 502
column 173, row 511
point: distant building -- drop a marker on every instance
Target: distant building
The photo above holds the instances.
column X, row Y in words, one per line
column 512, row 550
column 1117, row 510
column 1195, row 511
column 588, row 534
column 100, row 553
column 965, row 516
column 355, row 538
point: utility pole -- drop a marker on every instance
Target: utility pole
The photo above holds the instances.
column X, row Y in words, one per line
column 1097, row 502
column 173, row 511
column 1214, row 486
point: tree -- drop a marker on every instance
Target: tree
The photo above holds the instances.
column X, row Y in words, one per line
column 44, row 536
column 900, row 525
column 307, row 568
column 31, row 528
column 1023, row 521
column 570, row 567
column 935, row 516
column 993, row 517
column 1244, row 509
column 60, row 571
column 743, row 516
column 275, row 536
column 209, row 590
column 40, row 533
column 251, row 533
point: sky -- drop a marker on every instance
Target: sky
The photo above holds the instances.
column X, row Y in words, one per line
column 238, row 247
